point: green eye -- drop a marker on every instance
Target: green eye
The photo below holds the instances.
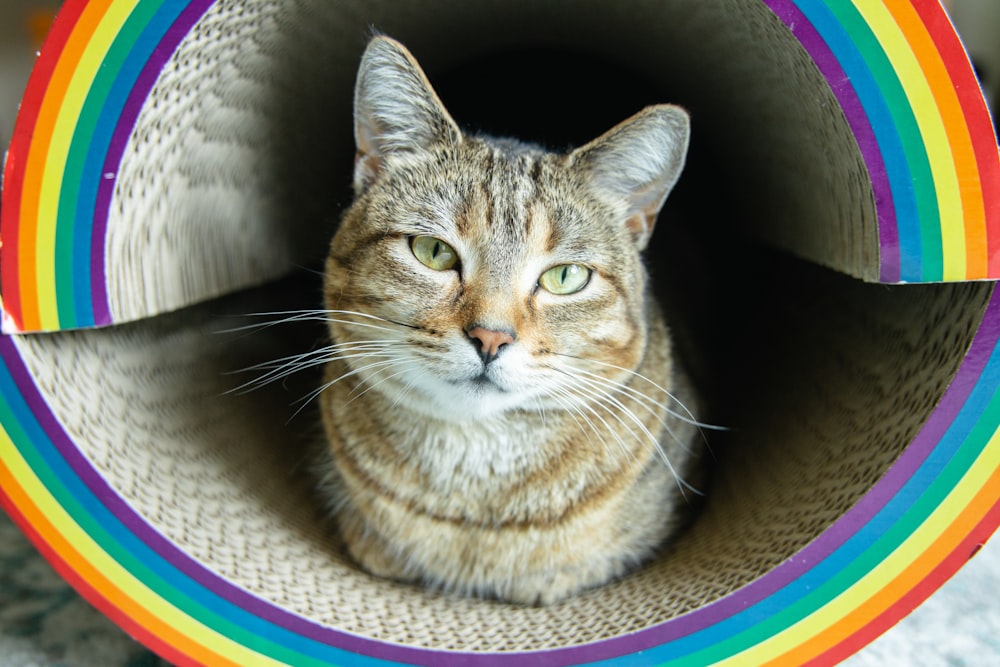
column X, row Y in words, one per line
column 565, row 278
column 434, row 253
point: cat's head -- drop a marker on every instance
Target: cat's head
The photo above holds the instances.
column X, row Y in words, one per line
column 498, row 269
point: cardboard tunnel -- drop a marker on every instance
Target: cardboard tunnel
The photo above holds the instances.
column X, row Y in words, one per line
column 175, row 164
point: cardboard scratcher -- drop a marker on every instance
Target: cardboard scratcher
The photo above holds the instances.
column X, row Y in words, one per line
column 174, row 161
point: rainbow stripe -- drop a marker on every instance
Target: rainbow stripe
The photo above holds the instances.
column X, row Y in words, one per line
column 92, row 77
column 914, row 105
column 911, row 532
column 897, row 68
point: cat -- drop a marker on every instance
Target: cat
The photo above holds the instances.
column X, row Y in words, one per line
column 504, row 416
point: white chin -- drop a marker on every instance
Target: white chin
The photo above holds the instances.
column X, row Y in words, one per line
column 462, row 401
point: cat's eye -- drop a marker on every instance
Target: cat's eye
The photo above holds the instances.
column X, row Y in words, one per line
column 565, row 279
column 434, row 253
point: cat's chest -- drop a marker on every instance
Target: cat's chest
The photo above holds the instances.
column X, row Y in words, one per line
column 487, row 452
column 494, row 472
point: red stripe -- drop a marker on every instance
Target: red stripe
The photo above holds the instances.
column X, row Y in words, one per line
column 17, row 156
column 915, row 596
column 88, row 592
column 977, row 116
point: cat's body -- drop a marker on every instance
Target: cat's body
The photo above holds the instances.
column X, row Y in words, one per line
column 497, row 408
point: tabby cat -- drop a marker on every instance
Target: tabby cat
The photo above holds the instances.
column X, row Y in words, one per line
column 503, row 412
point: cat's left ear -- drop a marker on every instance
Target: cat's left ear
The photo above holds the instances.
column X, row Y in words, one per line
column 395, row 109
column 638, row 162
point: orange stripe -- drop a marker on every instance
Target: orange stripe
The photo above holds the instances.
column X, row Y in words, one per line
column 38, row 154
column 956, row 128
column 977, row 116
column 916, row 572
column 111, row 597
column 20, row 145
column 916, row 596
column 87, row 592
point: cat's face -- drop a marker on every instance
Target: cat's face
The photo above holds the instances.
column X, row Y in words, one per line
column 471, row 277
column 471, row 248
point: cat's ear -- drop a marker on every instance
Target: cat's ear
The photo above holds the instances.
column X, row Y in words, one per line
column 638, row 162
column 395, row 109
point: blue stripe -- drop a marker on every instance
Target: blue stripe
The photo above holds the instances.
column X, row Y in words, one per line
column 128, row 71
column 880, row 116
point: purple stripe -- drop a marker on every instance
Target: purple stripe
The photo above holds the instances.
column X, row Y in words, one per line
column 119, row 141
column 864, row 135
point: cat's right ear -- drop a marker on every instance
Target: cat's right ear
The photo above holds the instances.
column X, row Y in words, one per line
column 395, row 109
column 638, row 163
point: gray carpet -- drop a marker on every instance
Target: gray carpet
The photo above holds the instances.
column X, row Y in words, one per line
column 43, row 623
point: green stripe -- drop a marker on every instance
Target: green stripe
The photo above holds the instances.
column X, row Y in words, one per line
column 83, row 133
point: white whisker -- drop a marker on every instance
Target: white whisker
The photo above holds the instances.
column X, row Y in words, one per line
column 648, row 404
column 369, row 385
column 620, row 412
column 319, row 315
column 687, row 416
column 404, row 391
column 566, row 392
column 315, row 393
column 280, row 369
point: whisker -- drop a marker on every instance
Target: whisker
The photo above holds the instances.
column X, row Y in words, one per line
column 314, row 394
column 667, row 427
column 646, row 402
column 329, row 351
column 603, row 397
column 377, row 356
column 608, row 402
column 404, row 391
column 369, row 386
column 563, row 399
column 687, row 417
column 280, row 369
column 566, row 393
column 318, row 315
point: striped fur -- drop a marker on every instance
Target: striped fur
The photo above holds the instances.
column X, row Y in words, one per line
column 570, row 458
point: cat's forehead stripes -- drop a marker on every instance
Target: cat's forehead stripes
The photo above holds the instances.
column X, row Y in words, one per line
column 516, row 202
column 509, row 188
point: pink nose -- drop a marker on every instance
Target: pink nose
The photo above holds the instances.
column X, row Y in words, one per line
column 489, row 341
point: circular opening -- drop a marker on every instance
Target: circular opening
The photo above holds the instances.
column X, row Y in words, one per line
column 823, row 380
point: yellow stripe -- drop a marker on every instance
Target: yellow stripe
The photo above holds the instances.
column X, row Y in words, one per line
column 127, row 584
column 872, row 583
column 55, row 160
column 932, row 129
